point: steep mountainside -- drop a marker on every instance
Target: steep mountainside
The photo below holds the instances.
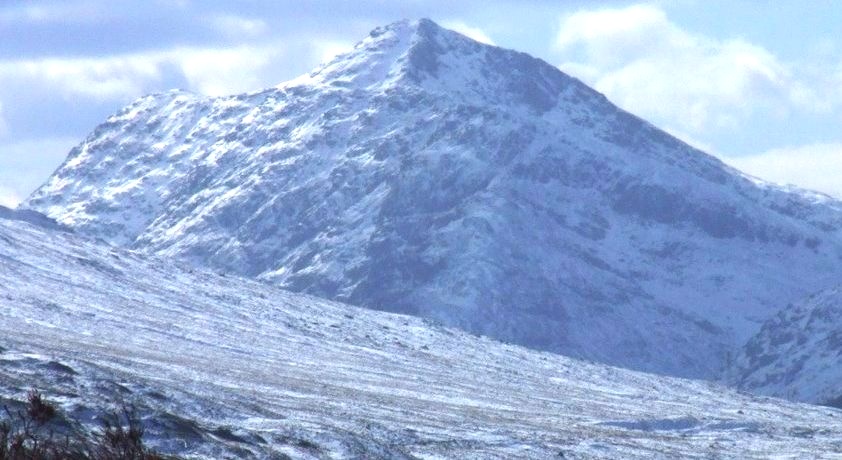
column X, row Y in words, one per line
column 797, row 353
column 224, row 367
column 429, row 174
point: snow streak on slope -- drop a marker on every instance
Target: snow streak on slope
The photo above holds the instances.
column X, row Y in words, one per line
column 797, row 353
column 429, row 174
column 235, row 368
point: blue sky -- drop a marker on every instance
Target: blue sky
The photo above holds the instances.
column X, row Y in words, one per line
column 757, row 83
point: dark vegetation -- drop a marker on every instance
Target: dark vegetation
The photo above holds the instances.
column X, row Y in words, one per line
column 37, row 430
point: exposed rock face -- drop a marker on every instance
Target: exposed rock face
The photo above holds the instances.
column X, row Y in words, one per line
column 426, row 173
column 797, row 353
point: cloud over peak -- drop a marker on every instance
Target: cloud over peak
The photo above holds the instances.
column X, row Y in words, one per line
column 651, row 66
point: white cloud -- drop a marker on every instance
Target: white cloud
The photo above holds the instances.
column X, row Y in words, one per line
column 613, row 35
column 217, row 72
column 8, row 197
column 179, row 4
column 474, row 33
column 325, row 50
column 815, row 167
column 78, row 11
column 4, row 126
column 25, row 165
column 116, row 77
column 212, row 71
column 650, row 66
column 238, row 27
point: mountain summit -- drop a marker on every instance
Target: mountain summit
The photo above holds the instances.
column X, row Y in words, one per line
column 430, row 174
column 421, row 54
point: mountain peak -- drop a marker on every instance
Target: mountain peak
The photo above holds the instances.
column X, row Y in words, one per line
column 427, row 173
column 407, row 37
column 424, row 27
column 422, row 54
column 392, row 52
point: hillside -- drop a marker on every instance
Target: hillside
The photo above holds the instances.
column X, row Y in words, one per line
column 227, row 367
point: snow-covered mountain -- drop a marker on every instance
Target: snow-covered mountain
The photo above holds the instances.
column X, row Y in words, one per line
column 429, row 174
column 224, row 367
column 798, row 353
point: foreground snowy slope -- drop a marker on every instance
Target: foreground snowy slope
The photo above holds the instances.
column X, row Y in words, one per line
column 226, row 367
column 797, row 353
column 429, row 174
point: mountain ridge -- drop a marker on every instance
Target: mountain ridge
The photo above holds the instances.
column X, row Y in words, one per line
column 426, row 173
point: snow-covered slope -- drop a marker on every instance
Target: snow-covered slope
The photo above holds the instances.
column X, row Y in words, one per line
column 230, row 368
column 798, row 353
column 429, row 174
